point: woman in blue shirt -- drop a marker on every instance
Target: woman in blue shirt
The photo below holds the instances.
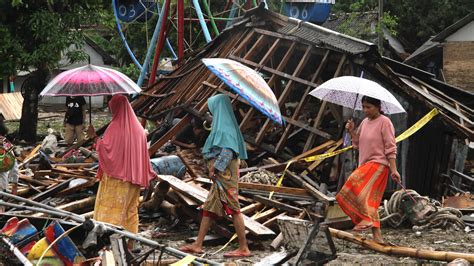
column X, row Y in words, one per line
column 223, row 150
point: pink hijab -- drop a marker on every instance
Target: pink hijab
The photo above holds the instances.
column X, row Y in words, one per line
column 123, row 152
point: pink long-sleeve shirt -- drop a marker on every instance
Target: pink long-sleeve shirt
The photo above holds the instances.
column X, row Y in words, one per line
column 375, row 140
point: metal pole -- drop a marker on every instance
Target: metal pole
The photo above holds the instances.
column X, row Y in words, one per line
column 161, row 41
column 78, row 218
column 149, row 53
column 233, row 11
column 205, row 30
column 90, row 110
column 209, row 14
column 380, row 41
column 180, row 30
column 17, row 252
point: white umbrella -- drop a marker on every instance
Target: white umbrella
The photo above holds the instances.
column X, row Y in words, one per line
column 347, row 91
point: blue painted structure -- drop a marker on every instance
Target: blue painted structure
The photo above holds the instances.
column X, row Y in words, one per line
column 315, row 12
column 135, row 11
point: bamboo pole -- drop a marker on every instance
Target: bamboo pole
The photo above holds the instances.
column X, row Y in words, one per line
column 402, row 251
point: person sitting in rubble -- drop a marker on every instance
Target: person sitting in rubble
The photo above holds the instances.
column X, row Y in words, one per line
column 124, row 166
column 224, row 148
column 192, row 136
column 9, row 176
column 50, row 143
column 362, row 193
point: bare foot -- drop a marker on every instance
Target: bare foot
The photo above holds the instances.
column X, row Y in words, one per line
column 363, row 226
column 191, row 249
column 245, row 252
column 377, row 233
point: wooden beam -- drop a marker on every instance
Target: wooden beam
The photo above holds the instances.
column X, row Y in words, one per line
column 256, row 46
column 200, row 195
column 298, row 109
column 314, row 150
column 51, row 192
column 317, row 163
column 278, row 205
column 289, row 86
column 276, row 168
column 263, row 216
column 244, row 42
column 319, row 116
column 312, row 190
column 270, row 222
column 305, row 126
column 251, row 208
column 273, row 71
column 262, row 187
column 272, row 80
column 172, row 132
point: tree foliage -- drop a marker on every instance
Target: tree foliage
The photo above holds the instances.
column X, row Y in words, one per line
column 33, row 36
column 413, row 22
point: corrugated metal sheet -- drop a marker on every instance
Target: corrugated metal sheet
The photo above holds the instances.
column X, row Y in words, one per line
column 10, row 105
column 324, row 37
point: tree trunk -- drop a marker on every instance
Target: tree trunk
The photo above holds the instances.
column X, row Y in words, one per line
column 29, row 113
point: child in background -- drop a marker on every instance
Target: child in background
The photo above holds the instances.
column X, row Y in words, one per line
column 12, row 174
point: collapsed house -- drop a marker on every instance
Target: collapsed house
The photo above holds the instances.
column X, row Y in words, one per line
column 449, row 56
column 294, row 57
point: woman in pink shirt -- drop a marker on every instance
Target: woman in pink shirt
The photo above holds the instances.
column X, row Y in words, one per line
column 362, row 193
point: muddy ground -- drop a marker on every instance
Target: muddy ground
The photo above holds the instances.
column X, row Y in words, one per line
column 347, row 252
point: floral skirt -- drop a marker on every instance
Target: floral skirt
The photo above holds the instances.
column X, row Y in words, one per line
column 362, row 193
column 223, row 198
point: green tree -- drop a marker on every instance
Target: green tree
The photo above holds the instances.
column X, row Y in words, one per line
column 415, row 21
column 33, row 36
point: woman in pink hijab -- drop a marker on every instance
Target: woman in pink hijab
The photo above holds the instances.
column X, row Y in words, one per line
column 124, row 166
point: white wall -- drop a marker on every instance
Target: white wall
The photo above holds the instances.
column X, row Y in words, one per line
column 97, row 101
column 464, row 34
column 96, row 58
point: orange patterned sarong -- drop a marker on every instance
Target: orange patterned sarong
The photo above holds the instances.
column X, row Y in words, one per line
column 362, row 193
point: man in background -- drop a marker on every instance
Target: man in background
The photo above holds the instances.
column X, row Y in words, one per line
column 74, row 119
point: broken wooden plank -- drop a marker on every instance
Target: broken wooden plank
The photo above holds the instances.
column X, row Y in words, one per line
column 314, row 150
column 270, row 222
column 263, row 216
column 251, row 208
column 262, row 187
column 278, row 205
column 51, row 192
column 276, row 168
column 78, row 204
column 312, row 190
column 219, row 228
column 69, row 191
column 30, row 180
column 200, row 195
column 318, row 162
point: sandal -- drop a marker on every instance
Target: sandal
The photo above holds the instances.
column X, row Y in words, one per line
column 236, row 254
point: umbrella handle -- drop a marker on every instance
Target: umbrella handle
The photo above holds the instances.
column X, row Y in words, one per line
column 90, row 110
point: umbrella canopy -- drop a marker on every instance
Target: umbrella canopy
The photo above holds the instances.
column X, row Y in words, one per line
column 347, row 91
column 247, row 83
column 90, row 80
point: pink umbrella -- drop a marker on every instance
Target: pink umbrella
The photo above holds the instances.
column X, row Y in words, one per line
column 89, row 81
